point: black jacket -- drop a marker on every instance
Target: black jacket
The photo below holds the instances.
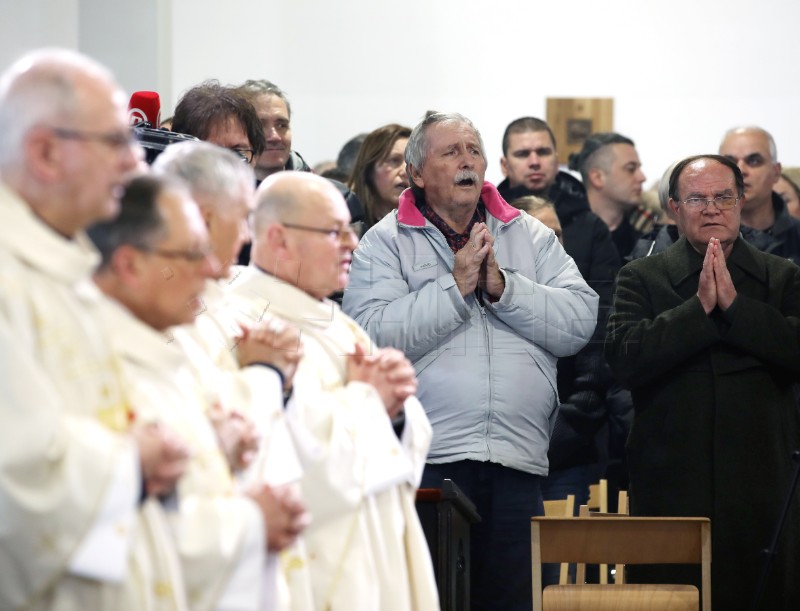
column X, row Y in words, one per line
column 785, row 232
column 715, row 422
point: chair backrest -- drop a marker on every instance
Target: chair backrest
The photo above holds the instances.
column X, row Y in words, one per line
column 561, row 508
column 621, row 539
column 619, row 569
column 622, row 502
column 598, row 496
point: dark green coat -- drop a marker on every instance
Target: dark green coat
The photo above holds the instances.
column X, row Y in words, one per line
column 715, row 418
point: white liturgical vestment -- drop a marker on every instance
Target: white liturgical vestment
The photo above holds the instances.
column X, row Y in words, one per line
column 365, row 545
column 255, row 392
column 71, row 534
column 219, row 533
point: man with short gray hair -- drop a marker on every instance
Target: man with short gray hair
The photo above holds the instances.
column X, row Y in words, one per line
column 753, row 150
column 82, row 476
column 483, row 299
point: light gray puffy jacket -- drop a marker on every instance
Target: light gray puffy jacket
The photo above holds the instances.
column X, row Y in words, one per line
column 487, row 373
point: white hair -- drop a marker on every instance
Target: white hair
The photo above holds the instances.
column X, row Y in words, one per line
column 209, row 170
column 417, row 147
column 40, row 88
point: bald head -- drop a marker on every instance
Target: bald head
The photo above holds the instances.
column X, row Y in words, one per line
column 50, row 87
column 302, row 233
column 289, row 196
column 753, row 150
column 758, row 132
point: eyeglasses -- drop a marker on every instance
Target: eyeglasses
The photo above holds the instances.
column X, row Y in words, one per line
column 723, row 202
column 118, row 140
column 245, row 154
column 192, row 256
column 345, row 233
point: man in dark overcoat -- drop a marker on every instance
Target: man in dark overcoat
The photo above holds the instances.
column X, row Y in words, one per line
column 707, row 337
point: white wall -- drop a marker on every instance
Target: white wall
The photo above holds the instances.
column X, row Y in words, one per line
column 27, row 24
column 681, row 72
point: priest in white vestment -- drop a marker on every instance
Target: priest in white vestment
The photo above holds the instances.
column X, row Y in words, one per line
column 244, row 371
column 355, row 402
column 76, row 529
column 156, row 260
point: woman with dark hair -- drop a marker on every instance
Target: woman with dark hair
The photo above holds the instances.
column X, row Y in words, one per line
column 379, row 176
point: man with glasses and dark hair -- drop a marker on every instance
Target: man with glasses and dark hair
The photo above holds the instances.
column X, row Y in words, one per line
column 223, row 116
column 707, row 336
column 753, row 150
column 156, row 259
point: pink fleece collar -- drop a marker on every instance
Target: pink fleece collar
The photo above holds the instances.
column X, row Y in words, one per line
column 409, row 214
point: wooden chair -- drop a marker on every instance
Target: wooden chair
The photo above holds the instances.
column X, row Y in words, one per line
column 619, row 569
column 622, row 509
column 598, row 502
column 561, row 508
column 621, row 539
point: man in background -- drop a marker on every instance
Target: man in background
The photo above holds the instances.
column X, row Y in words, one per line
column 222, row 116
column 613, row 177
column 754, row 152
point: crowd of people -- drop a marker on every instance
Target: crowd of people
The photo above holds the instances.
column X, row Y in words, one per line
column 224, row 376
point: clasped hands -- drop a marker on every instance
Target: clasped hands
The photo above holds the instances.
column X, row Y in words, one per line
column 475, row 265
column 388, row 371
column 716, row 286
column 271, row 341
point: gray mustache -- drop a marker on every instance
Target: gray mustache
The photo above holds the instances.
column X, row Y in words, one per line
column 466, row 175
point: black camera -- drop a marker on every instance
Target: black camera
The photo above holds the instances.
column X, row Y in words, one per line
column 154, row 140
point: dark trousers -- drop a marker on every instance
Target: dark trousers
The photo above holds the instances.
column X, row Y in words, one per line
column 500, row 549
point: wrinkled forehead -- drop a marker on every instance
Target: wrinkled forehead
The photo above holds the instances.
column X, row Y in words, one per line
column 706, row 177
column 449, row 133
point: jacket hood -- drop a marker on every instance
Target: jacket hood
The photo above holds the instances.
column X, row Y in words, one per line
column 409, row 214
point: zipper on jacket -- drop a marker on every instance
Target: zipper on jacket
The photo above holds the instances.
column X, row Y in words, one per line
column 487, row 337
